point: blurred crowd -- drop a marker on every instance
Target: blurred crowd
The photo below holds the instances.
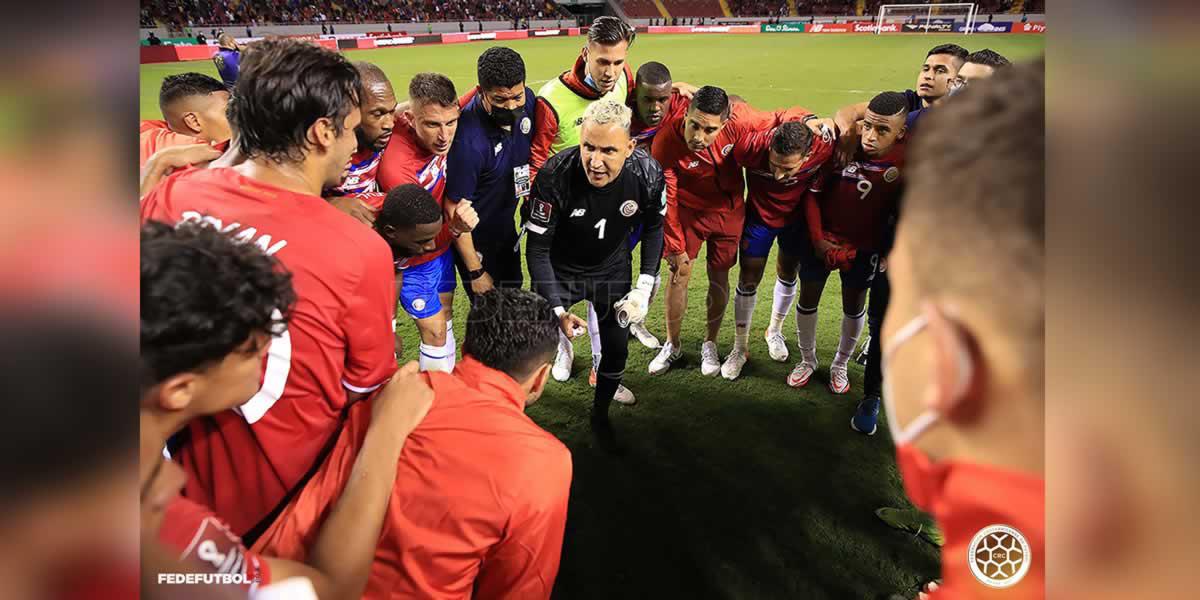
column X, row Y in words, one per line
column 758, row 8
column 190, row 13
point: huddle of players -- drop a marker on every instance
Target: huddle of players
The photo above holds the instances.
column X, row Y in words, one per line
column 586, row 209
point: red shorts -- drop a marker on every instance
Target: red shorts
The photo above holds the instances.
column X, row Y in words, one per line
column 686, row 229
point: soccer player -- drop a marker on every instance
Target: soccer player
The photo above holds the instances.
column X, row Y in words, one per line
column 297, row 137
column 780, row 162
column 412, row 222
column 193, row 109
column 480, row 504
column 705, row 203
column 847, row 211
column 200, row 358
column 980, row 65
column 416, row 155
column 600, row 71
column 378, row 108
column 964, row 337
column 227, row 58
column 654, row 98
column 489, row 161
column 585, row 204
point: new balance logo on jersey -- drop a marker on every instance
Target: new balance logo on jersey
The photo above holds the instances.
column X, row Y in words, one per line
column 693, row 164
column 579, row 212
column 498, row 148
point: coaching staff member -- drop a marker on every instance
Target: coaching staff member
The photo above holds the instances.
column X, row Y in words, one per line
column 586, row 201
column 488, row 164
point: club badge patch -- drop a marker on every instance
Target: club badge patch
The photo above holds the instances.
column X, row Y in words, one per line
column 727, row 149
column 628, row 208
column 419, row 304
column 525, row 125
column 891, row 174
column 541, row 211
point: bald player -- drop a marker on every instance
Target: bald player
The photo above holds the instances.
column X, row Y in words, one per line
column 378, row 120
column 193, row 109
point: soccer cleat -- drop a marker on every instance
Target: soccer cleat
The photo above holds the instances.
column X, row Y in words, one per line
column 776, row 345
column 839, row 379
column 561, row 371
column 710, row 359
column 866, row 416
column 644, row 336
column 732, row 367
column 666, row 355
column 800, row 375
column 862, row 356
column 624, row 396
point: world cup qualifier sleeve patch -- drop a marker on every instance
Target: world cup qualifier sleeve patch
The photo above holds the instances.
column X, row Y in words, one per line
column 541, row 211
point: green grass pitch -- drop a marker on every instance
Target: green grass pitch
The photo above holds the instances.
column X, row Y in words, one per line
column 744, row 489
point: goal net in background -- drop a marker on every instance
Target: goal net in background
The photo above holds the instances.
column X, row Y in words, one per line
column 926, row 18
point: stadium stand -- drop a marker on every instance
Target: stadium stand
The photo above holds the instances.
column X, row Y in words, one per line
column 193, row 13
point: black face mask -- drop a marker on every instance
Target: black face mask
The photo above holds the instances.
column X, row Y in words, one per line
column 507, row 117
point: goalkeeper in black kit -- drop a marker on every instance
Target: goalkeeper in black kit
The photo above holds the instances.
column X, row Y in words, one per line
column 585, row 205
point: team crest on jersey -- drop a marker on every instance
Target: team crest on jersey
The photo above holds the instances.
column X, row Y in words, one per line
column 628, row 208
column 891, row 174
column 419, row 304
column 525, row 124
column 727, row 149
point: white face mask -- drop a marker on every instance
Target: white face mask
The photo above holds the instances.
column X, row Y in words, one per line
column 903, row 435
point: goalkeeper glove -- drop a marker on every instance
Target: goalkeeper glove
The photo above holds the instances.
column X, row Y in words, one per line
column 632, row 309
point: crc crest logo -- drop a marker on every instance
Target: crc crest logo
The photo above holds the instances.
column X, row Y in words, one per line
column 525, row 124
column 891, row 174
column 999, row 556
column 628, row 208
column 727, row 149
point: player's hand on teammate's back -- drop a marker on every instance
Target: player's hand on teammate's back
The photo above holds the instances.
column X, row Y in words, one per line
column 356, row 208
column 572, row 326
column 403, row 402
column 463, row 217
column 686, row 90
column 848, row 140
column 820, row 126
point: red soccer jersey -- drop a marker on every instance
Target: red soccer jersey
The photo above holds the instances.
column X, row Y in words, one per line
column 480, row 503
column 360, row 177
column 778, row 203
column 156, row 135
column 241, row 462
column 855, row 201
column 406, row 161
column 643, row 133
column 712, row 179
column 198, row 534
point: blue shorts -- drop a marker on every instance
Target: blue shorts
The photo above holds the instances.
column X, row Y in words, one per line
column 422, row 285
column 758, row 237
column 861, row 274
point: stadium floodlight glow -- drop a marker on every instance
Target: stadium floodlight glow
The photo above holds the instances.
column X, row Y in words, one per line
column 891, row 16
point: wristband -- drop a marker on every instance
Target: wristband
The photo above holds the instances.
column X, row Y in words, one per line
column 644, row 282
column 559, row 311
column 476, row 274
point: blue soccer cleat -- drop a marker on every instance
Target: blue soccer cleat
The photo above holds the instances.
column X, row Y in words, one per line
column 866, row 416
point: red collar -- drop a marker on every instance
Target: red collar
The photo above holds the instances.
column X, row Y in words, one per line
column 575, row 79
column 491, row 382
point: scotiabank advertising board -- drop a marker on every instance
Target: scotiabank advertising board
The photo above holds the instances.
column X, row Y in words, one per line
column 864, row 27
column 830, row 28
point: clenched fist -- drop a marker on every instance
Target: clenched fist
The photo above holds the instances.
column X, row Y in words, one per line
column 463, row 217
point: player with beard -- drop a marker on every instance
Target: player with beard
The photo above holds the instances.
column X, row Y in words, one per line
column 373, row 132
column 779, row 162
column 848, row 211
column 296, row 138
column 417, row 155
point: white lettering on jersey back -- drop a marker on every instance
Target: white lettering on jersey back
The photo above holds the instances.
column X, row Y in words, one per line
column 240, row 233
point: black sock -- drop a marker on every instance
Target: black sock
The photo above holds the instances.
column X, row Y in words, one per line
column 606, row 388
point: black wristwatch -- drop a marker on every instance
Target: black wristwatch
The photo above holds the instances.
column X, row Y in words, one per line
column 476, row 274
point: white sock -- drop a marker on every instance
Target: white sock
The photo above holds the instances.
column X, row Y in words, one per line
column 451, row 344
column 806, row 332
column 564, row 343
column 781, row 304
column 743, row 313
column 852, row 326
column 594, row 329
column 654, row 290
column 435, row 358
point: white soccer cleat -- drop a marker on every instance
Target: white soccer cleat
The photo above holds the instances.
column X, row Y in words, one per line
column 732, row 367
column 776, row 346
column 839, row 379
column 667, row 355
column 644, row 336
column 800, row 375
column 710, row 359
column 624, row 396
column 561, row 371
